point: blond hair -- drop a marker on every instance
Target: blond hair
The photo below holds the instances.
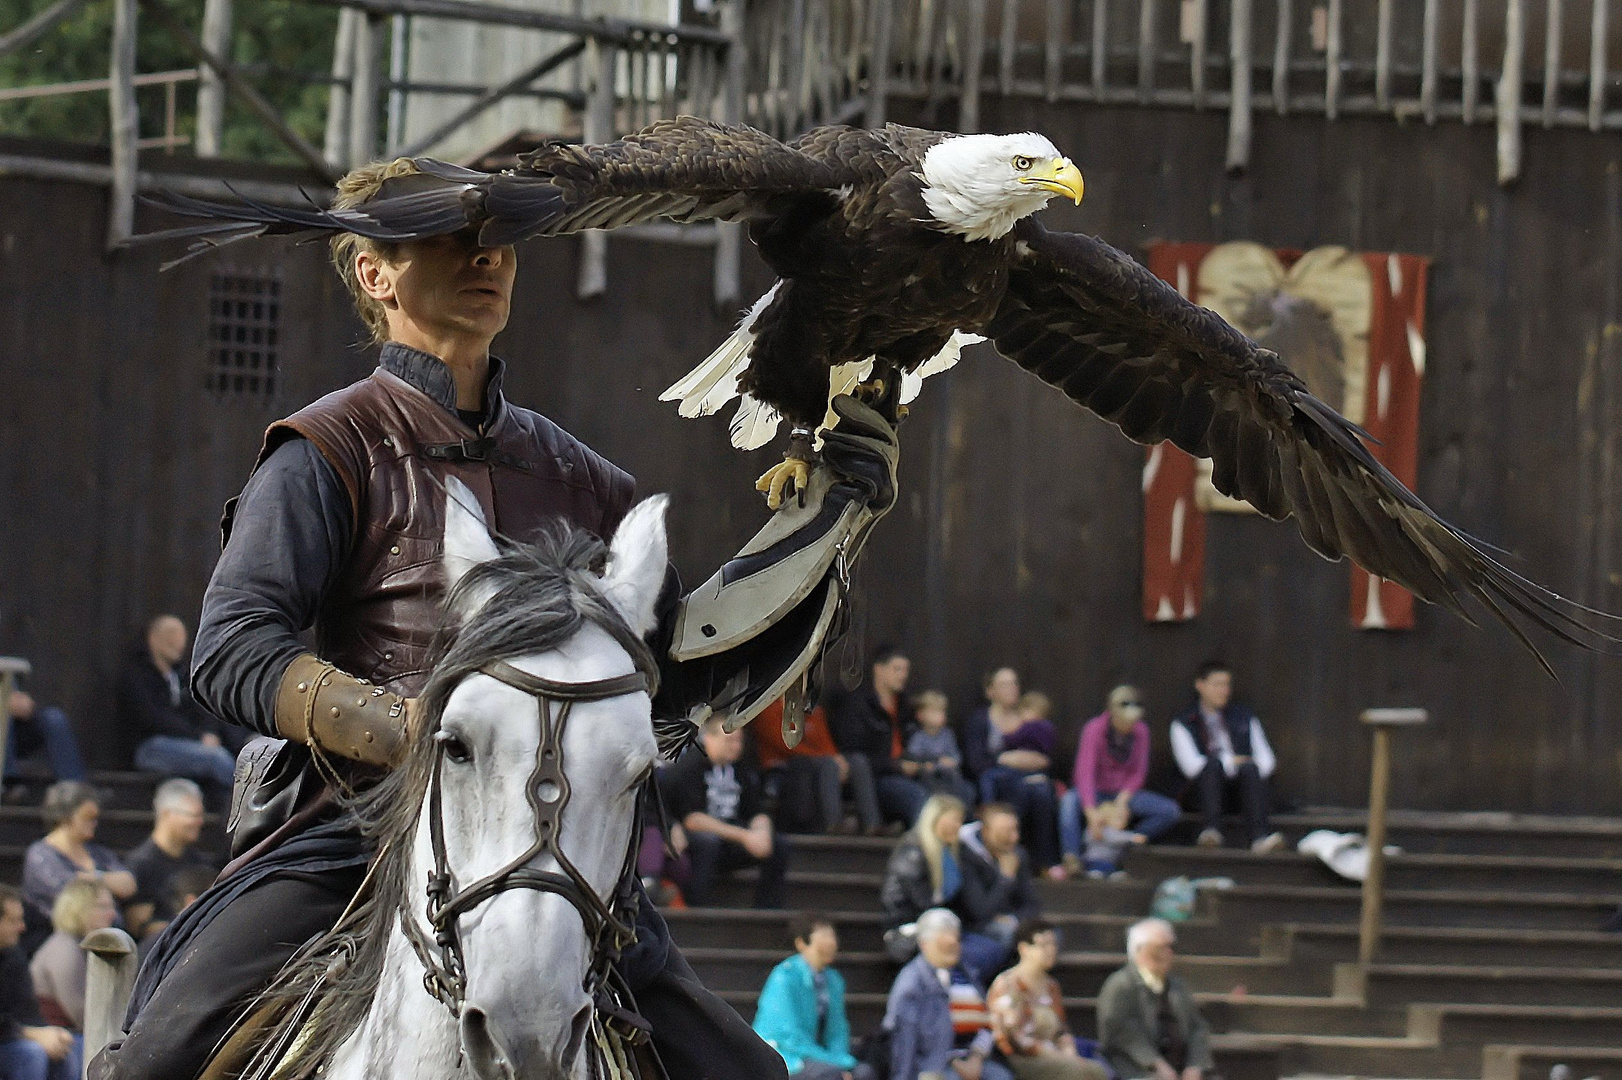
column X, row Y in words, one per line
column 71, row 912
column 361, row 185
column 931, row 845
column 929, row 699
column 1036, row 702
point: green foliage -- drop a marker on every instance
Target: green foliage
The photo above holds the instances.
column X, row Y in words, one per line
column 288, row 36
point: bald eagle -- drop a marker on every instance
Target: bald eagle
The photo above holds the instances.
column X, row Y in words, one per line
column 895, row 246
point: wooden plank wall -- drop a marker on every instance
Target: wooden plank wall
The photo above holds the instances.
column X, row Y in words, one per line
column 1017, row 539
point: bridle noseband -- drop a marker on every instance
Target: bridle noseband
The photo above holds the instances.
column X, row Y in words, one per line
column 609, row 925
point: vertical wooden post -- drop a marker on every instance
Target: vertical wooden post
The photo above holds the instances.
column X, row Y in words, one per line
column 974, row 61
column 1007, row 33
column 1146, row 50
column 727, row 284
column 399, row 38
column 1332, row 72
column 109, row 978
column 1382, row 721
column 1427, row 61
column 1382, row 57
column 1281, row 59
column 1196, row 53
column 210, row 87
column 1100, row 55
column 10, row 668
column 1509, row 93
column 1551, row 63
column 598, row 127
column 335, row 148
column 1470, row 62
column 1239, row 107
column 1053, row 54
column 878, row 69
column 1596, row 66
column 125, row 125
column 363, row 92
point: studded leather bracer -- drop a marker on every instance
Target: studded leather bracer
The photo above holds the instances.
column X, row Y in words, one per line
column 319, row 705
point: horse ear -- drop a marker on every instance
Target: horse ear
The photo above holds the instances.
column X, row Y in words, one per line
column 467, row 543
column 637, row 561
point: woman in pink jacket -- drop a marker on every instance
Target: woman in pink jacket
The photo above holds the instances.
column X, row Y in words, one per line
column 1107, row 798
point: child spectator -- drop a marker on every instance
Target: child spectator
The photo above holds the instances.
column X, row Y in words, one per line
column 933, row 748
column 1020, row 776
column 801, row 1013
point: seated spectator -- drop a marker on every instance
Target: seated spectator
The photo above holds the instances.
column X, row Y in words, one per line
column 808, row 778
column 869, row 728
column 663, row 866
column 1027, row 1013
column 177, row 809
column 1148, row 1024
column 1009, row 744
column 801, row 1012
column 177, row 738
column 185, row 886
column 997, row 888
column 1112, row 764
column 933, row 748
column 36, row 727
column 1219, row 744
column 58, row 969
column 717, row 798
column 925, row 871
column 936, row 1013
column 71, row 812
column 30, row 1049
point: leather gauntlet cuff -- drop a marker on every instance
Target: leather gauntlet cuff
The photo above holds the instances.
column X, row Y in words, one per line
column 319, row 705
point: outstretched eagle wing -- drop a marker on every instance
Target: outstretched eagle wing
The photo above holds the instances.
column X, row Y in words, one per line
column 1093, row 322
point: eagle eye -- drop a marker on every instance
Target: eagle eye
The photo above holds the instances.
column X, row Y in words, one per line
column 1023, row 163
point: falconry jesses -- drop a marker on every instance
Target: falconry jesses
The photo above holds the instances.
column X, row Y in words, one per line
column 892, row 248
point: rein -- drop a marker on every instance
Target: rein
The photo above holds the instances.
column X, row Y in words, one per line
column 609, row 925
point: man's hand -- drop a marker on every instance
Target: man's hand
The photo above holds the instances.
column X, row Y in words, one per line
column 757, row 839
column 210, row 740
column 20, row 705
column 1242, row 759
column 1008, row 863
column 1164, row 1071
column 844, row 767
column 1192, row 1073
column 909, row 768
column 678, row 839
column 969, row 1067
column 948, row 763
column 55, row 1041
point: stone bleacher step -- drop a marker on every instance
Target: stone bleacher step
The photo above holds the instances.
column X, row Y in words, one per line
column 1539, row 873
column 1511, row 1062
column 827, row 890
column 1403, row 984
column 1484, row 833
column 1255, row 905
column 1330, row 942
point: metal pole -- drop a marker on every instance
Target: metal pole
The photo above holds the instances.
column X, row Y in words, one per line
column 1382, row 721
column 1239, row 106
column 598, row 127
column 363, row 93
column 125, row 124
column 336, row 146
column 210, row 87
column 727, row 284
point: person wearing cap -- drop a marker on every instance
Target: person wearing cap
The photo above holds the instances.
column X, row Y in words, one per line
column 339, row 530
column 1107, row 792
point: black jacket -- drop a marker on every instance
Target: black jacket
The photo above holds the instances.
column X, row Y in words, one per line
column 18, row 1006
column 907, row 891
column 860, row 725
column 986, row 893
column 684, row 789
column 145, row 707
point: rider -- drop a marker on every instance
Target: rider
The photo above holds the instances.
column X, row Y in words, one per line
column 339, row 527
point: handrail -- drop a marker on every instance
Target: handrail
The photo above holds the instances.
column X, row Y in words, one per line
column 602, row 28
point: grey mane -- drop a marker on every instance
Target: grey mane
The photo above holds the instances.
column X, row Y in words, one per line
column 543, row 594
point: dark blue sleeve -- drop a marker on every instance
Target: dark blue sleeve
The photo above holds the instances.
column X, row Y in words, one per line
column 290, row 536
column 977, row 757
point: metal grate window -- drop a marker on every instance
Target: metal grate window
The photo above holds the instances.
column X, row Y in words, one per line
column 244, row 314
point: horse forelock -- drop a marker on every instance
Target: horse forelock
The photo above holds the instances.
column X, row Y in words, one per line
column 541, row 596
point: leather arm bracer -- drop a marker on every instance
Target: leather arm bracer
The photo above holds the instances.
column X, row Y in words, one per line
column 319, row 705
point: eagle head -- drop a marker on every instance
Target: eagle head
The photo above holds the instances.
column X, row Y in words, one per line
column 980, row 186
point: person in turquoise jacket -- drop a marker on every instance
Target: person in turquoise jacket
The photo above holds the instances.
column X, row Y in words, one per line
column 801, row 1013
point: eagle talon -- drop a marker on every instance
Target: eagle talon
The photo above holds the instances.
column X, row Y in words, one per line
column 868, row 393
column 788, row 477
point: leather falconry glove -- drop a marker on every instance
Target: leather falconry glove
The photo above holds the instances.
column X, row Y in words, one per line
column 319, row 705
column 756, row 630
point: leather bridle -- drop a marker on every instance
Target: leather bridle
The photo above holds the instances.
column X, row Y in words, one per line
column 609, row 925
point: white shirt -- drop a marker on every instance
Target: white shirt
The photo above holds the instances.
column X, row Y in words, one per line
column 1192, row 762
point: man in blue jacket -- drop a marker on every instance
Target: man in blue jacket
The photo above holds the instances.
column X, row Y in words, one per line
column 801, row 1013
column 936, row 1015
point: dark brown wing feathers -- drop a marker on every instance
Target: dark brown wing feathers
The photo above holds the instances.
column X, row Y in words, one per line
column 1094, row 323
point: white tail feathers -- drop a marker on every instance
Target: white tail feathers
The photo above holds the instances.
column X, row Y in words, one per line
column 754, row 424
column 708, row 387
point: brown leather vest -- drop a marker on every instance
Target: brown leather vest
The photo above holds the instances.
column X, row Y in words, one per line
column 393, row 446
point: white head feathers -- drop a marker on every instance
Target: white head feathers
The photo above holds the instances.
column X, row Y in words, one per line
column 980, row 186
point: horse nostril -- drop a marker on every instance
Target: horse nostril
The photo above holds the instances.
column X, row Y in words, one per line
column 484, row 1053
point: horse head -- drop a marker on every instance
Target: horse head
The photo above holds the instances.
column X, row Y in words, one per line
column 528, row 950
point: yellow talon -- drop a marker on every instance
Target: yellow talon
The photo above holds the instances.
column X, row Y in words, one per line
column 788, row 477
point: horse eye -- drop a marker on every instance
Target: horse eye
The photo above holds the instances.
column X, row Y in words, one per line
column 455, row 749
column 1022, row 163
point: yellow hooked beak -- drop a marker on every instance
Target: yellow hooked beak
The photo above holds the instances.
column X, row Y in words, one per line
column 1058, row 176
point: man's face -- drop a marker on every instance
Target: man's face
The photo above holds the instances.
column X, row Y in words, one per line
column 1000, row 833
column 1043, row 948
column 1215, row 689
column 445, row 285
column 1156, row 956
column 1004, row 688
column 942, row 949
column 168, row 640
column 891, row 676
column 11, row 924
column 185, row 822
column 722, row 748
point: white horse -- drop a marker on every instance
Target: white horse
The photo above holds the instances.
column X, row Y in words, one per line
column 512, row 967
